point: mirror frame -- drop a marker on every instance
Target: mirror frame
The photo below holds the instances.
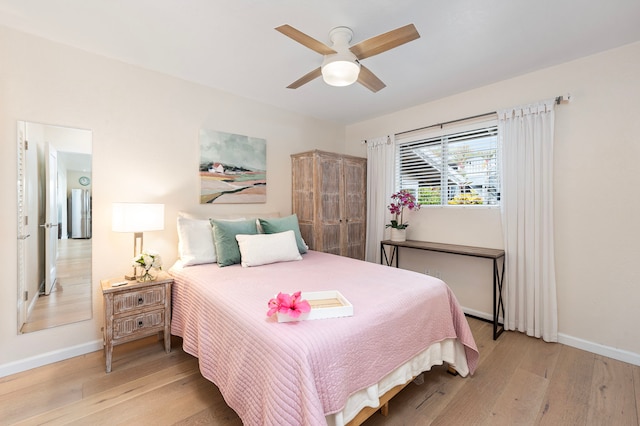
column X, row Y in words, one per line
column 22, row 235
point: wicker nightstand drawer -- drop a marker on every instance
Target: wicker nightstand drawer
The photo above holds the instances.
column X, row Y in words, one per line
column 135, row 310
column 123, row 327
column 132, row 300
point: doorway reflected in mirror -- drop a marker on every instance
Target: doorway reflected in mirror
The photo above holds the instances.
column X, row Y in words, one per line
column 54, row 226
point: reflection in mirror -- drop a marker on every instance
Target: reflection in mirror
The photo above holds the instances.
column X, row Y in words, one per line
column 54, row 226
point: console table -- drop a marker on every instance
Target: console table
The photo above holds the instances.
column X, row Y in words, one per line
column 487, row 253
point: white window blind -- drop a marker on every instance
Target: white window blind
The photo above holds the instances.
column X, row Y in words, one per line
column 456, row 168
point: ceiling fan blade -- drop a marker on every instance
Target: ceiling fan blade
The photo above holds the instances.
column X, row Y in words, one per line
column 369, row 80
column 306, row 78
column 384, row 42
column 305, row 40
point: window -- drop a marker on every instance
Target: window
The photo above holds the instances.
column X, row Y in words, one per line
column 457, row 168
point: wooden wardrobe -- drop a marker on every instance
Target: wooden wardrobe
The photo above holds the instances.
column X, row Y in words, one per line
column 329, row 195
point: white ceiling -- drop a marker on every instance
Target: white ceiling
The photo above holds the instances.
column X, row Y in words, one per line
column 231, row 45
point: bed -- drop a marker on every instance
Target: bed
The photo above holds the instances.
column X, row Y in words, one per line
column 323, row 371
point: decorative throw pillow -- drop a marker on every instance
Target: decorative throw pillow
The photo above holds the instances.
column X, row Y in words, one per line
column 224, row 238
column 264, row 216
column 262, row 249
column 281, row 224
column 195, row 241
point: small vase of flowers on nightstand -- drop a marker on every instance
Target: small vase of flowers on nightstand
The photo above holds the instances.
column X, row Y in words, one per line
column 149, row 263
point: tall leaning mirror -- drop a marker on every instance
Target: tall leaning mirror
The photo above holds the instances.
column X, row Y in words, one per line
column 54, row 226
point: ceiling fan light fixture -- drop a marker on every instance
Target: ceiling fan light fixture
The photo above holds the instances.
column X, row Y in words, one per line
column 341, row 63
column 340, row 69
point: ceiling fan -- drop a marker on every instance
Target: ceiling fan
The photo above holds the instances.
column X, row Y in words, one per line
column 341, row 65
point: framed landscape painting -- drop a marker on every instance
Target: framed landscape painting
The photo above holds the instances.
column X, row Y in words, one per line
column 233, row 168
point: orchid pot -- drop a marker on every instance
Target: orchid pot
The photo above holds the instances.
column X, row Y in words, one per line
column 398, row 234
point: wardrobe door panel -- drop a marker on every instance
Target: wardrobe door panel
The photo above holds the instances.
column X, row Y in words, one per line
column 329, row 197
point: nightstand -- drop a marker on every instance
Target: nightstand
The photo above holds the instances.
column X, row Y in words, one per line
column 136, row 310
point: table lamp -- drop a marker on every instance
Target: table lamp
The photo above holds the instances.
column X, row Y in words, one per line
column 137, row 218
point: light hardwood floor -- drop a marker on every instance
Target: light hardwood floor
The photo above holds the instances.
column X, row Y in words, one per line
column 70, row 299
column 519, row 381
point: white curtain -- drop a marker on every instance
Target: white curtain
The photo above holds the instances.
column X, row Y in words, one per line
column 526, row 141
column 380, row 179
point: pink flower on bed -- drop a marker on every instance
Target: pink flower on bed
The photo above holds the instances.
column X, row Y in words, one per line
column 297, row 306
column 279, row 304
column 287, row 304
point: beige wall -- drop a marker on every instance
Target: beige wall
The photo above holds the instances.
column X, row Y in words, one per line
column 597, row 152
column 145, row 148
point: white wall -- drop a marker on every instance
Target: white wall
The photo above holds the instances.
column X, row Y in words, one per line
column 145, row 148
column 597, row 207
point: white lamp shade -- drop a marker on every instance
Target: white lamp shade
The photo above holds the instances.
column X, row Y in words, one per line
column 340, row 69
column 137, row 217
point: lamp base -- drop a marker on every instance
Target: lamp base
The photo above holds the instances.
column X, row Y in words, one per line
column 133, row 276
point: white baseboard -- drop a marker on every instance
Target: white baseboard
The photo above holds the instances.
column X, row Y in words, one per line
column 596, row 348
column 477, row 314
column 49, row 358
column 585, row 345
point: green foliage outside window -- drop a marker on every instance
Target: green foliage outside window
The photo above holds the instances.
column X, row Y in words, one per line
column 429, row 196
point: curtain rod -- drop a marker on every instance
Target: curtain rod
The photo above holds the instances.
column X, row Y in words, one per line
column 486, row 114
column 558, row 100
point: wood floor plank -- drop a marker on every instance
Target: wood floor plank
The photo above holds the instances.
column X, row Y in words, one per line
column 133, row 361
column 21, row 382
column 519, row 401
column 542, row 358
column 567, row 398
column 212, row 416
column 473, row 402
column 522, row 398
column 171, row 401
column 420, row 402
column 612, row 393
column 82, row 376
column 217, row 413
column 47, row 387
column 112, row 397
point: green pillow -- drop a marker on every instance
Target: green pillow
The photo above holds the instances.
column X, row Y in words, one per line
column 282, row 224
column 224, row 238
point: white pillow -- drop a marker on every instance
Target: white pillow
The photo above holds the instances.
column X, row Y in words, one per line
column 195, row 241
column 262, row 249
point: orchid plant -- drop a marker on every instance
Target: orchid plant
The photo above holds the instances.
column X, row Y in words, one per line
column 399, row 201
column 287, row 304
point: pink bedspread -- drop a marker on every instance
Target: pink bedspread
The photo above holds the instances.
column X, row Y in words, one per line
column 295, row 373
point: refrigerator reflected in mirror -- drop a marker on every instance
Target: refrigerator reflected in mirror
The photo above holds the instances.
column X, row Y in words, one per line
column 79, row 213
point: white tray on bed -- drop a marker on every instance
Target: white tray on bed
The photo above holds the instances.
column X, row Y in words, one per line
column 324, row 304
